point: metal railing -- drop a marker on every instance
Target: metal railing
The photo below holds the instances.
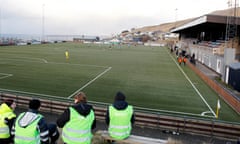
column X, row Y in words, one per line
column 152, row 119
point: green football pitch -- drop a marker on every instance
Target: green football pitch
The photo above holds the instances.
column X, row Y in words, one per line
column 148, row 76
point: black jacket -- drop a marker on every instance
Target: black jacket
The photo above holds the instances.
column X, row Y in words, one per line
column 82, row 108
column 119, row 105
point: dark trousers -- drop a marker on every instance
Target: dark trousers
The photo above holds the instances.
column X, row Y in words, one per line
column 53, row 133
column 6, row 141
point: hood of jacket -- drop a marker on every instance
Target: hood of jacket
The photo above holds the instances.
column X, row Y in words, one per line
column 82, row 108
column 4, row 108
column 120, row 105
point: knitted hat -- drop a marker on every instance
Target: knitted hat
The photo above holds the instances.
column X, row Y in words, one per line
column 120, row 96
column 34, row 104
column 8, row 102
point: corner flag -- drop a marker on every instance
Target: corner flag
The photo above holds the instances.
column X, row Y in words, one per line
column 218, row 108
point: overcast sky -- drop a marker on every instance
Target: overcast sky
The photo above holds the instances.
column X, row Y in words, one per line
column 96, row 17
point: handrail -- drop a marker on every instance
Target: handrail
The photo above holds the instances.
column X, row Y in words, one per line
column 181, row 124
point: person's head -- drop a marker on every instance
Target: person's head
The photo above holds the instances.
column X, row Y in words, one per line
column 34, row 104
column 80, row 97
column 11, row 103
column 120, row 97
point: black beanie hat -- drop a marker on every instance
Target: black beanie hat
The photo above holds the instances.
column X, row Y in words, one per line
column 120, row 96
column 34, row 104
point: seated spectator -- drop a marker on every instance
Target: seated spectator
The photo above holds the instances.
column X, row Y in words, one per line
column 31, row 127
column 120, row 118
column 77, row 121
column 7, row 118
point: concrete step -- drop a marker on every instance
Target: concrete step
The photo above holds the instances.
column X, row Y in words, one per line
column 132, row 139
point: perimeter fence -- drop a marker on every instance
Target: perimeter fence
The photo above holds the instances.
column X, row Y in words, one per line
column 144, row 117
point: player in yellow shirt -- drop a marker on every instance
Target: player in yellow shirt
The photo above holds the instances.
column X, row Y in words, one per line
column 67, row 55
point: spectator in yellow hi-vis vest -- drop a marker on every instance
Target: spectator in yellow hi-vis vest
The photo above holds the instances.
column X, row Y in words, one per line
column 120, row 118
column 31, row 128
column 7, row 118
column 77, row 121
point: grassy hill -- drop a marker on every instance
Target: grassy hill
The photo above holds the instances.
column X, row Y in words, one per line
column 166, row 27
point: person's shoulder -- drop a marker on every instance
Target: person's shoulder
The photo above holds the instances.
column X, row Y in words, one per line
column 81, row 105
column 88, row 106
column 130, row 106
column 42, row 121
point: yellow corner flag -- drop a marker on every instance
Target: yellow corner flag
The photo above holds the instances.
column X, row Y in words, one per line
column 218, row 108
column 67, row 55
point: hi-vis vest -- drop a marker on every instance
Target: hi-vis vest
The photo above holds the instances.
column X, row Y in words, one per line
column 29, row 134
column 120, row 122
column 78, row 129
column 5, row 112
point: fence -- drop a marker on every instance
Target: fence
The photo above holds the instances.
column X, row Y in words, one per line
column 231, row 100
column 181, row 124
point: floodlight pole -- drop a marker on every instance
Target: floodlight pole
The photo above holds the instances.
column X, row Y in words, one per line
column 231, row 26
column 43, row 30
column 235, row 21
column 176, row 17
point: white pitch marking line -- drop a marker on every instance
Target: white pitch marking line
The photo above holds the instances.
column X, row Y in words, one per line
column 192, row 85
column 5, row 75
column 22, row 59
column 84, row 65
column 172, row 112
column 204, row 113
column 45, row 61
column 91, row 81
column 29, row 93
column 41, row 59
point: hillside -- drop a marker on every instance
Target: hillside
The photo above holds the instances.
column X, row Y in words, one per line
column 166, row 27
column 226, row 12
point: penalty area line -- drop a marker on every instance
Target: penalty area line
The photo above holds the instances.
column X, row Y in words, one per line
column 26, row 59
column 90, row 82
column 174, row 112
column 5, row 75
column 28, row 93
